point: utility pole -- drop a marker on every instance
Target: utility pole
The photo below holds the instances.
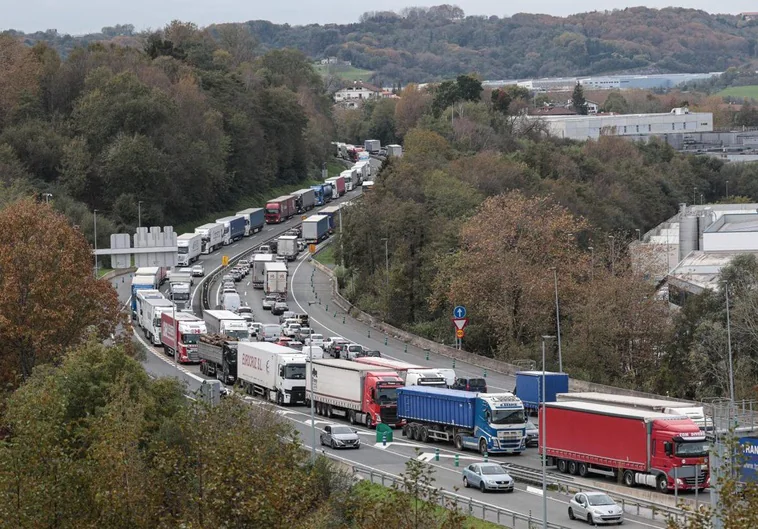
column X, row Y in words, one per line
column 95, row 220
column 558, row 321
column 342, row 244
column 139, row 213
column 387, row 266
column 727, row 189
column 613, row 253
column 313, row 407
column 729, row 345
column 543, row 437
column 592, row 262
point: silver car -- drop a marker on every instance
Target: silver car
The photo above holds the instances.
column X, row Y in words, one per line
column 269, row 301
column 595, row 508
column 338, row 436
column 532, row 434
column 487, row 476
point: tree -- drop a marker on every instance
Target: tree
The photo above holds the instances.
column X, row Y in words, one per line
column 469, row 87
column 19, row 74
column 413, row 103
column 446, row 94
column 615, row 102
column 578, row 101
column 49, row 300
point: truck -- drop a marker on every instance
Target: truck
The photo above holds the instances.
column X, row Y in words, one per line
column 529, row 388
column 212, row 237
column 272, row 371
column 180, row 332
column 372, row 146
column 411, row 374
column 254, row 220
column 315, row 228
column 259, row 268
column 328, row 190
column 218, row 357
column 333, row 213
column 227, row 323
column 280, row 209
column 492, row 423
column 139, row 298
column 180, row 289
column 641, row 447
column 672, row 407
column 189, row 246
column 362, row 172
column 234, row 228
column 305, row 200
column 150, row 311
column 338, row 183
column 394, row 150
column 348, row 176
column 359, row 393
column 275, row 278
column 318, row 193
column 141, row 283
column 160, row 273
column 287, row 247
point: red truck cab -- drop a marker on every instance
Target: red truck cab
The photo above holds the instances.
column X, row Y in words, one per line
column 647, row 448
column 380, row 398
column 189, row 328
column 279, row 209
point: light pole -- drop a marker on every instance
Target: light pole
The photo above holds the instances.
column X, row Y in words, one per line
column 342, row 246
column 694, row 195
column 558, row 320
column 543, row 436
column 176, row 331
column 592, row 262
column 727, row 189
column 729, row 344
column 313, row 407
column 613, row 253
column 139, row 213
column 387, row 267
column 94, row 213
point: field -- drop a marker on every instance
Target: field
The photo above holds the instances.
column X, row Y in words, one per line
column 348, row 73
column 747, row 92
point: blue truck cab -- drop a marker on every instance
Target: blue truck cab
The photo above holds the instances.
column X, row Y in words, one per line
column 141, row 283
column 492, row 423
column 319, row 191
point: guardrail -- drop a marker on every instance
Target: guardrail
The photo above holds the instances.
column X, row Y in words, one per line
column 485, row 511
column 570, row 487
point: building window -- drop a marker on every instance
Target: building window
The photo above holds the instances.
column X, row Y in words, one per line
column 673, row 126
column 684, row 125
column 638, row 129
column 624, row 129
column 650, row 128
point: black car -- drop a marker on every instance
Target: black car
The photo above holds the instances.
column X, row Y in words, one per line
column 375, row 354
column 478, row 385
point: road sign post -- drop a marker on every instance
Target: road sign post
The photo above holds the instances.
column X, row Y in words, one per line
column 459, row 321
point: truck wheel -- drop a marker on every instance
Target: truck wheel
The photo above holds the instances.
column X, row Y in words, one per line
column 423, row 434
column 458, row 441
column 329, row 411
column 573, row 467
column 406, row 432
column 368, row 421
column 583, row 470
column 482, row 446
column 351, row 416
column 562, row 466
column 629, row 478
column 663, row 485
column 279, row 398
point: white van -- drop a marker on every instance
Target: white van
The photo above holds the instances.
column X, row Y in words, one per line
column 230, row 301
column 316, row 351
column 270, row 332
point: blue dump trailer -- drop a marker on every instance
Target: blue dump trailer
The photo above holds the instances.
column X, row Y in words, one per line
column 328, row 192
column 529, row 387
column 319, row 191
column 488, row 422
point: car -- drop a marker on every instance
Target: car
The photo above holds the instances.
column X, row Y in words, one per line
column 304, row 333
column 237, row 275
column 229, row 284
column 532, row 434
column 284, row 341
column 198, row 271
column 595, row 508
column 245, row 309
column 244, row 263
column 255, row 328
column 297, row 345
column 281, row 258
column 280, row 307
column 270, row 332
column 352, row 351
column 470, row 384
column 314, row 339
column 288, row 315
column 329, row 342
column 228, row 278
column 338, row 347
column 265, row 248
column 487, row 476
column 339, row 436
column 228, row 288
column 269, row 301
column 290, row 329
column 374, row 353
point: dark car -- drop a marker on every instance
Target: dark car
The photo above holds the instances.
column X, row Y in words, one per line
column 375, row 354
column 478, row 385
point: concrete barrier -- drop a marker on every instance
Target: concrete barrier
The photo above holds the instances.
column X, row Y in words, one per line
column 113, row 274
column 484, row 362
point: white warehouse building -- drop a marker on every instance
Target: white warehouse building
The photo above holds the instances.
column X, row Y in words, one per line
column 679, row 120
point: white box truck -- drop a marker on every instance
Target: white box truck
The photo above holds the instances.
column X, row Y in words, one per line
column 227, row 323
column 150, row 318
column 271, row 371
column 394, row 150
column 212, row 237
column 259, row 268
column 372, row 146
column 287, row 247
column 189, row 246
column 275, row 278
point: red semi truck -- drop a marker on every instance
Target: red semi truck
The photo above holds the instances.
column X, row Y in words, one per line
column 189, row 328
column 647, row 448
column 339, row 184
column 280, row 209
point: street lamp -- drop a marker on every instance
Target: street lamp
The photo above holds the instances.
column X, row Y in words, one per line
column 139, row 213
column 694, row 195
column 313, row 406
column 557, row 319
column 592, row 262
column 94, row 213
column 613, row 253
column 387, row 266
column 729, row 344
column 543, row 436
column 727, row 189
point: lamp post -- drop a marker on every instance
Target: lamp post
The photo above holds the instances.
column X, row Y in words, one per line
column 694, row 195
column 557, row 319
column 729, row 344
column 387, row 267
column 176, row 332
column 727, row 189
column 313, row 407
column 139, row 213
column 543, row 436
column 592, row 262
column 613, row 253
column 94, row 214
column 342, row 245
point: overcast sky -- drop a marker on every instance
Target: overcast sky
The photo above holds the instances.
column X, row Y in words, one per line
column 85, row 16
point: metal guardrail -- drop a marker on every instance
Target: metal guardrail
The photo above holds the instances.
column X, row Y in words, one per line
column 485, row 511
column 570, row 487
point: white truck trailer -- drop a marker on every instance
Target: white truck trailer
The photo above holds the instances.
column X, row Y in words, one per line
column 227, row 323
column 259, row 268
column 189, row 247
column 271, row 371
column 212, row 237
column 275, row 278
column 287, row 247
column 151, row 311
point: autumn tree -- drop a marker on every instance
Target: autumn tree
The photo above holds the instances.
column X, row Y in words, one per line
column 414, row 102
column 49, row 301
column 19, row 75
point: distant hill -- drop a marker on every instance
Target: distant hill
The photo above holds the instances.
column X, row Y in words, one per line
column 428, row 44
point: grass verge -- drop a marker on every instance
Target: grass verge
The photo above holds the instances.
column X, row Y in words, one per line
column 747, row 92
column 102, row 271
column 326, row 256
column 348, row 73
column 375, row 491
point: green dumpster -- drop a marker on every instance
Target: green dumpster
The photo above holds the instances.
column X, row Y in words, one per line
column 381, row 430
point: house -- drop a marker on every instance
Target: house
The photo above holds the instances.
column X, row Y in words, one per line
column 357, row 92
column 750, row 15
column 551, row 111
column 592, row 106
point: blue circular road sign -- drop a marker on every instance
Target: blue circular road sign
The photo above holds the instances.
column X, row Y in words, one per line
column 459, row 312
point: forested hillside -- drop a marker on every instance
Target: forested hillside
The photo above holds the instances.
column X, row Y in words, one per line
column 427, row 44
column 187, row 124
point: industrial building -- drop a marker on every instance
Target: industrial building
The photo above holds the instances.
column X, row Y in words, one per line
column 679, row 120
column 604, row 82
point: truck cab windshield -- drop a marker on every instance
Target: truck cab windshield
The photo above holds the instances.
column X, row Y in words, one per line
column 294, row 372
column 272, row 211
column 190, row 338
column 507, row 417
column 692, row 449
column 157, row 323
column 386, row 395
column 240, row 335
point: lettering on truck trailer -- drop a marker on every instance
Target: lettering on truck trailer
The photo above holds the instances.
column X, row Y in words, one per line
column 254, row 362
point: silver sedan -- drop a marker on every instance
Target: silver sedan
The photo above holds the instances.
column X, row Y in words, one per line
column 338, row 436
column 487, row 476
column 595, row 508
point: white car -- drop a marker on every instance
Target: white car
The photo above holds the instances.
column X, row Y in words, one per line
column 244, row 263
column 329, row 342
column 595, row 508
column 291, row 329
column 269, row 301
column 314, row 339
column 198, row 271
column 353, row 351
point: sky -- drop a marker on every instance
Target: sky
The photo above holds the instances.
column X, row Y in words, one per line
column 86, row 16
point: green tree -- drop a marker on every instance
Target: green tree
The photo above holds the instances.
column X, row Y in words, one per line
column 469, row 87
column 578, row 101
column 446, row 94
column 615, row 102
